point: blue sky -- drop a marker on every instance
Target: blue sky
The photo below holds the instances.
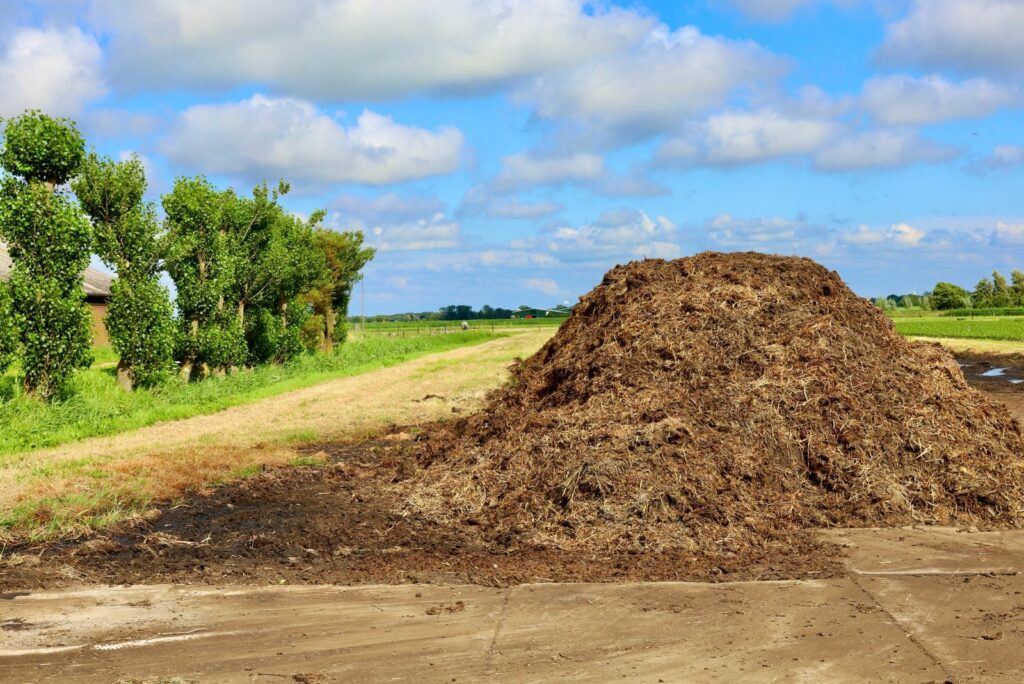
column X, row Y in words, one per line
column 511, row 151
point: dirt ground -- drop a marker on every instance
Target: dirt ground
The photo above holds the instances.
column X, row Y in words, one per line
column 922, row 605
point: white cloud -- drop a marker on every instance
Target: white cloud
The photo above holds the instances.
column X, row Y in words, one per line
column 357, row 49
column 905, row 100
column 265, row 137
column 733, row 138
column 652, row 88
column 1010, row 233
column 1002, row 157
column 526, row 170
column 884, row 148
column 617, row 235
column 969, row 36
column 480, row 201
column 545, row 286
column 436, row 232
column 55, row 70
column 730, row 231
column 905, row 235
column 388, row 206
column 863, row 235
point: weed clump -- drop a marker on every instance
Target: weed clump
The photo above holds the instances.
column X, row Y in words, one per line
column 725, row 404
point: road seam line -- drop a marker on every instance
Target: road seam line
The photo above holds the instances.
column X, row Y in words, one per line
column 489, row 660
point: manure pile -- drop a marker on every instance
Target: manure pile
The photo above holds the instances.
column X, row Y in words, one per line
column 722, row 403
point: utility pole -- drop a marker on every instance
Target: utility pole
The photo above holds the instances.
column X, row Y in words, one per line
column 362, row 302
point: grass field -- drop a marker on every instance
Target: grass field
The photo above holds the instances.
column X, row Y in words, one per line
column 100, row 407
column 980, row 328
column 405, row 328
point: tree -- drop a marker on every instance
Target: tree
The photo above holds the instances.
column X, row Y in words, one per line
column 199, row 261
column 1017, row 288
column 8, row 329
column 948, row 296
column 1000, row 290
column 49, row 240
column 345, row 257
column 127, row 238
column 983, row 293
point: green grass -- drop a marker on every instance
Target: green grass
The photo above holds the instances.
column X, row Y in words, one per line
column 429, row 327
column 99, row 406
column 979, row 328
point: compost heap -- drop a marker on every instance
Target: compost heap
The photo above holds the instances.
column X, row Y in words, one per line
column 720, row 402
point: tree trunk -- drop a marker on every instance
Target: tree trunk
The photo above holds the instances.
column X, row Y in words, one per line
column 328, row 344
column 124, row 376
column 187, row 363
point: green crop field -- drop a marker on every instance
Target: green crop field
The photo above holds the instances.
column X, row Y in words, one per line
column 404, row 328
column 980, row 328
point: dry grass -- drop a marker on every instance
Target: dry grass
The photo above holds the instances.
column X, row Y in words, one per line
column 94, row 483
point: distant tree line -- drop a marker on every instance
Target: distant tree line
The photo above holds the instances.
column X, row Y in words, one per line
column 990, row 293
column 465, row 312
column 254, row 283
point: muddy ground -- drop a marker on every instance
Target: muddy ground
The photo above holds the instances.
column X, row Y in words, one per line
column 335, row 524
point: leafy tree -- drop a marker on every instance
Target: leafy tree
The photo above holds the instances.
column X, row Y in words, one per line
column 1017, row 288
column 1000, row 290
column 127, row 238
column 983, row 293
column 948, row 296
column 345, row 257
column 49, row 240
column 8, row 329
column 199, row 261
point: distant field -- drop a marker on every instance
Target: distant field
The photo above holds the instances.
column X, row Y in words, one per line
column 979, row 328
column 402, row 328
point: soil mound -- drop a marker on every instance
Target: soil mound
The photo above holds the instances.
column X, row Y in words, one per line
column 718, row 403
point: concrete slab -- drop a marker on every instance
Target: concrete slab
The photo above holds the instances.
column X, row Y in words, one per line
column 929, row 550
column 787, row 631
column 809, row 631
column 973, row 624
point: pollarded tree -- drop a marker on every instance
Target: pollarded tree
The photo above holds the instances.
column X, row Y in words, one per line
column 345, row 257
column 199, row 261
column 49, row 240
column 127, row 238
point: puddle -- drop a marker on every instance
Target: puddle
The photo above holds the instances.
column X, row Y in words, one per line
column 994, row 373
column 1016, row 381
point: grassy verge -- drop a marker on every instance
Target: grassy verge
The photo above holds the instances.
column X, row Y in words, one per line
column 981, row 328
column 100, row 407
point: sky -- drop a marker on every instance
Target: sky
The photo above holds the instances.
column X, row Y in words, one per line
column 510, row 152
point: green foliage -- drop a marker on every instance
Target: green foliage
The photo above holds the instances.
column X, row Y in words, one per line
column 199, row 260
column 9, row 334
column 40, row 148
column 128, row 239
column 948, row 296
column 345, row 257
column 49, row 242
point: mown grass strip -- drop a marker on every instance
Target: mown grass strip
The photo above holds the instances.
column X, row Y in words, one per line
column 99, row 406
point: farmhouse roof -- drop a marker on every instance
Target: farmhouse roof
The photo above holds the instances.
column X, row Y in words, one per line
column 96, row 283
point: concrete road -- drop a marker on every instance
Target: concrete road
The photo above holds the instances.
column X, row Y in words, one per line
column 917, row 605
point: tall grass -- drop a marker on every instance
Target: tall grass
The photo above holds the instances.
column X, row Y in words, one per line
column 98, row 406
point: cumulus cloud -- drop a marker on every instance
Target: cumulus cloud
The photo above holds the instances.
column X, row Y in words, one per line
column 736, row 137
column 480, row 201
column 435, row 232
column 730, row 231
column 652, row 88
column 899, row 234
column 55, row 70
column 527, row 170
column 1002, row 157
column 266, row 137
column 967, row 36
column 1009, row 233
column 883, row 148
column 617, row 235
column 545, row 286
column 356, row 49
column 905, row 100
column 386, row 207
